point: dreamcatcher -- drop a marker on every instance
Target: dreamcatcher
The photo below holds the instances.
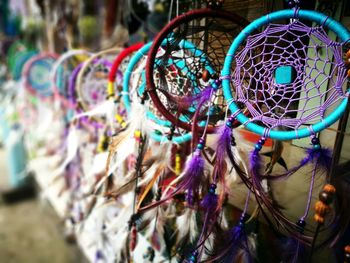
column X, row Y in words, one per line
column 292, row 79
column 17, row 55
column 91, row 82
column 37, row 82
column 62, row 71
column 115, row 80
column 37, row 75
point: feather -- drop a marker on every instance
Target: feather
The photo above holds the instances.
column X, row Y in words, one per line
column 236, row 246
column 210, row 204
column 294, row 251
column 103, row 109
column 275, row 156
column 192, row 178
column 187, row 227
column 121, row 248
column 319, row 155
column 72, row 149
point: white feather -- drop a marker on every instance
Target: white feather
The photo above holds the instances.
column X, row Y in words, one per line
column 187, row 225
column 72, row 148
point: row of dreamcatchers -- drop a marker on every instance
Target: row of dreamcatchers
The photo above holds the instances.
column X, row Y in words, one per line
column 169, row 112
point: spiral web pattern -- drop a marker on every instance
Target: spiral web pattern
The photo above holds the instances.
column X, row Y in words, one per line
column 39, row 76
column 289, row 75
column 137, row 88
column 94, row 83
column 191, row 58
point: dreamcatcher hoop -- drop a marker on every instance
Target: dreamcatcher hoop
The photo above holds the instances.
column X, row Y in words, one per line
column 42, row 88
column 79, row 80
column 19, row 61
column 62, row 59
column 126, row 98
column 184, row 19
column 116, row 64
column 311, row 16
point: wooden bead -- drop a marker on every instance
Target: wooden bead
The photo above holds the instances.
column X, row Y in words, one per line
column 321, row 208
column 347, row 249
column 205, row 75
column 319, row 219
column 349, row 73
column 325, row 197
column 328, row 188
column 348, row 54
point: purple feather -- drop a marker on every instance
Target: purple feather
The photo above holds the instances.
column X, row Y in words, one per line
column 184, row 102
column 192, row 177
column 210, row 202
column 294, row 251
column 322, row 156
column 236, row 246
column 191, row 182
column 255, row 168
column 223, row 143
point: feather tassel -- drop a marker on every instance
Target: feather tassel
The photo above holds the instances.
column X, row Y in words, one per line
column 193, row 175
column 236, row 244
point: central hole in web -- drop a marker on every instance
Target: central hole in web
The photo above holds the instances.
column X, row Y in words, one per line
column 285, row 75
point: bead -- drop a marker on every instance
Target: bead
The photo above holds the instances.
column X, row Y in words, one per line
column 137, row 134
column 321, row 208
column 201, row 141
column 328, row 188
column 319, row 219
column 212, row 188
column 349, row 73
column 348, row 54
column 347, row 249
column 301, row 223
column 261, row 141
column 205, row 75
column 258, row 146
column 325, row 197
column 99, row 254
column 200, row 146
column 317, row 146
column 315, row 140
column 229, row 124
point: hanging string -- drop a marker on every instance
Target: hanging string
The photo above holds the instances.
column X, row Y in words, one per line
column 170, row 10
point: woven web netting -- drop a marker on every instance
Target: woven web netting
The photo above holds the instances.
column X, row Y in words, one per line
column 39, row 76
column 289, row 75
column 191, row 57
column 94, row 83
column 63, row 73
column 137, row 89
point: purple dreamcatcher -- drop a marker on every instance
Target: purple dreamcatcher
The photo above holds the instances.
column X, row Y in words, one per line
column 292, row 78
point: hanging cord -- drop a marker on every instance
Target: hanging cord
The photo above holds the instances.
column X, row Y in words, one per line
column 307, row 209
column 170, row 10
